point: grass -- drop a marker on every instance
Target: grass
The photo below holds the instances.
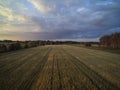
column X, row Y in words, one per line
column 59, row 67
column 96, row 47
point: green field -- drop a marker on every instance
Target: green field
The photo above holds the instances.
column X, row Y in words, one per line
column 59, row 67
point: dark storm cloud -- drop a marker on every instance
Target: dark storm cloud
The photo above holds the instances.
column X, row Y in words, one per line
column 80, row 19
column 71, row 19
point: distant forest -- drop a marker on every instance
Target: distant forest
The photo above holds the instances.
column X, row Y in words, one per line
column 110, row 41
column 107, row 41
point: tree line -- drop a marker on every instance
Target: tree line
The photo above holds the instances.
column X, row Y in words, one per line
column 8, row 45
column 106, row 41
column 110, row 41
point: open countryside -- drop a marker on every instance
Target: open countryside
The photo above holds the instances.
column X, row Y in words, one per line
column 59, row 44
column 59, row 67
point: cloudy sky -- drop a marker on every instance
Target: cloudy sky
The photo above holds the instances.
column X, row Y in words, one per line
column 58, row 19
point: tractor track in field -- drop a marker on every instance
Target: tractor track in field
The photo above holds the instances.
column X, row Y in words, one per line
column 71, row 81
column 57, row 68
column 52, row 75
column 10, row 61
column 59, row 75
column 20, row 62
column 14, row 53
column 94, row 77
column 27, row 84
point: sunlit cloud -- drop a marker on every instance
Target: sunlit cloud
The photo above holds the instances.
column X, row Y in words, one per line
column 39, row 5
column 6, row 12
column 10, row 15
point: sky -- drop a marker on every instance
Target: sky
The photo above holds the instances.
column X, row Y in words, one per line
column 80, row 20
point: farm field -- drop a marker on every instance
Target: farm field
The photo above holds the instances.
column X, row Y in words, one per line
column 59, row 67
column 96, row 47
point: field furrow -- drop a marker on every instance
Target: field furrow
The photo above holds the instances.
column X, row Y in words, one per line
column 99, row 61
column 94, row 77
column 59, row 67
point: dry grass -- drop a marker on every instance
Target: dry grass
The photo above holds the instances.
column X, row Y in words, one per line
column 59, row 67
